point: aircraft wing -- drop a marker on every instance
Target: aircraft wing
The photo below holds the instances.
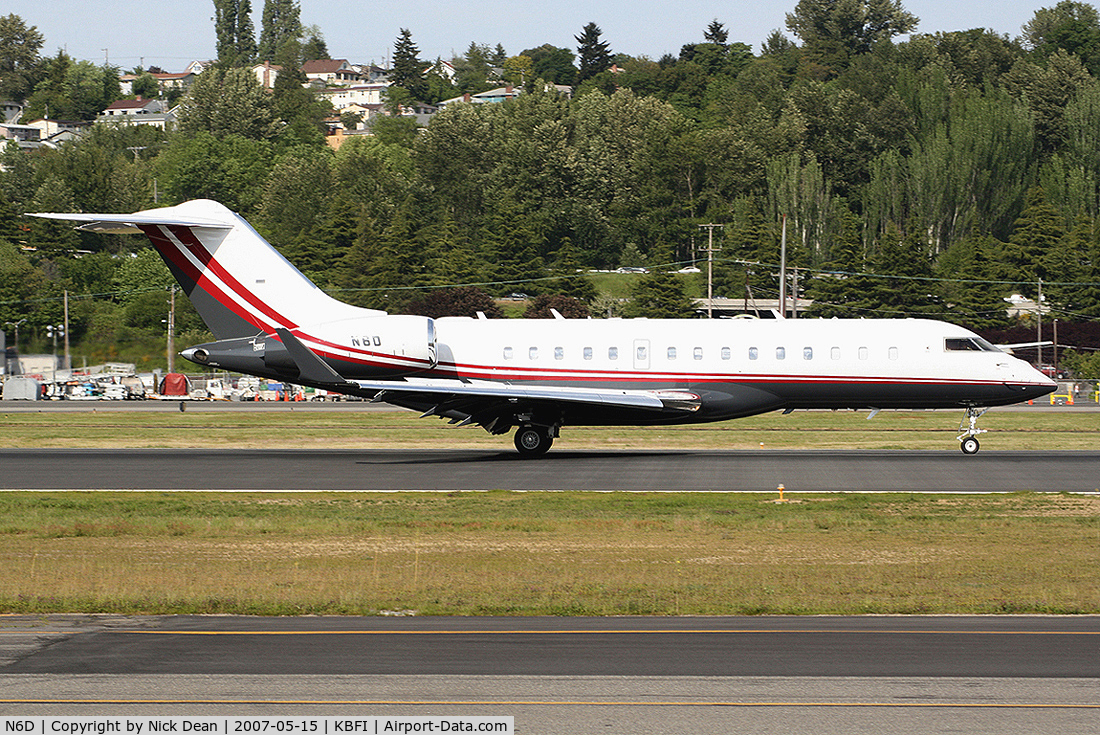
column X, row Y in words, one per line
column 488, row 403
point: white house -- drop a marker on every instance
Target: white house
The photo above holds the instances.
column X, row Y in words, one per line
column 330, row 72
column 360, row 94
column 137, row 112
column 266, row 74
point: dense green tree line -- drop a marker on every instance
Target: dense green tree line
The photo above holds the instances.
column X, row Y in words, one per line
column 932, row 176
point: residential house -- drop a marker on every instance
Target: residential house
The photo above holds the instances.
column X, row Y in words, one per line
column 487, row 97
column 55, row 132
column 371, row 74
column 25, row 136
column 330, row 72
column 165, row 81
column 500, row 94
column 360, row 94
column 138, row 112
column 10, row 111
column 266, row 74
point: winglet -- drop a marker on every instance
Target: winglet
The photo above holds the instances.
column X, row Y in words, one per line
column 311, row 368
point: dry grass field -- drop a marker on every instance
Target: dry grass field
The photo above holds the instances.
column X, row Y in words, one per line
column 506, row 553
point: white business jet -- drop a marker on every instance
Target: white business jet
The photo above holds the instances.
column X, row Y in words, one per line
column 538, row 375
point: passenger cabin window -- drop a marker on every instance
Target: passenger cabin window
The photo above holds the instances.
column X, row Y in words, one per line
column 641, row 352
column 559, row 353
column 612, row 353
column 726, row 353
column 587, row 353
column 780, row 353
column 968, row 344
column 754, row 353
column 697, row 353
column 863, row 353
column 672, row 353
column 892, row 353
column 834, row 353
column 533, row 353
column 807, row 353
column 507, row 353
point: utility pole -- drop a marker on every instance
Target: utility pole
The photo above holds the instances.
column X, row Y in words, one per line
column 68, row 359
column 1039, row 326
column 794, row 296
column 171, row 329
column 783, row 272
column 710, row 267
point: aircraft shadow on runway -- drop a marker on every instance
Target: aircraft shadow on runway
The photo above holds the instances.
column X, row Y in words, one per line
column 491, row 456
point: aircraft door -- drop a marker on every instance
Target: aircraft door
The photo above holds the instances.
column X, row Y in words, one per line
column 641, row 354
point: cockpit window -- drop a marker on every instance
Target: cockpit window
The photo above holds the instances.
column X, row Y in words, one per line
column 968, row 344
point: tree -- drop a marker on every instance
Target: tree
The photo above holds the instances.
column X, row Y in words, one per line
column 836, row 30
column 659, row 295
column 315, row 47
column 408, row 70
column 281, row 23
column 236, row 37
column 716, row 33
column 72, row 90
column 294, row 203
column 231, row 170
column 967, row 268
column 551, row 64
column 837, row 290
column 146, row 86
column 227, row 102
column 567, row 306
column 1071, row 26
column 463, row 301
column 472, row 69
column 594, row 54
column 1036, row 233
column 19, row 46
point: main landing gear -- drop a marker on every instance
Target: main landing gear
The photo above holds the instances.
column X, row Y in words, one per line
column 968, row 439
column 534, row 441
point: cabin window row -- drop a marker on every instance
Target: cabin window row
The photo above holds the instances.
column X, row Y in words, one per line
column 835, row 353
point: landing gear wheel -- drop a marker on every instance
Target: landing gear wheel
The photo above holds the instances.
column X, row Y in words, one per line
column 968, row 439
column 532, row 441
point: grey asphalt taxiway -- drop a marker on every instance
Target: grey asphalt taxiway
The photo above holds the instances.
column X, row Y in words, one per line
column 572, row 675
column 560, row 469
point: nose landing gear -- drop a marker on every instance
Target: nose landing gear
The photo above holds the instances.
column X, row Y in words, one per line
column 968, row 439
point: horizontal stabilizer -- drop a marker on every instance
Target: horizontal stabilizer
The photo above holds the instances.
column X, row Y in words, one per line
column 130, row 223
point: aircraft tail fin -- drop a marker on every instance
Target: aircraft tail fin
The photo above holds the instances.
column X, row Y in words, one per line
column 239, row 283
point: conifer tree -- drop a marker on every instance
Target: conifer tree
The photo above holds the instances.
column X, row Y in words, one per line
column 408, row 70
column 281, row 22
column 236, row 36
column 594, row 55
column 1036, row 232
column 660, row 294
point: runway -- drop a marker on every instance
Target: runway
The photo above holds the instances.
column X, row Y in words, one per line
column 628, row 470
column 573, row 675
